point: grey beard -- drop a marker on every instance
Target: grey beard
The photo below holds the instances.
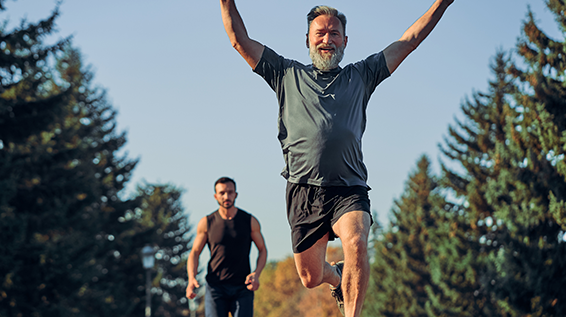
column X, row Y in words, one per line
column 326, row 64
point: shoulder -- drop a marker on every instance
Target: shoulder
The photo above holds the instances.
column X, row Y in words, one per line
column 244, row 213
column 248, row 217
column 255, row 224
column 270, row 57
column 202, row 226
column 371, row 70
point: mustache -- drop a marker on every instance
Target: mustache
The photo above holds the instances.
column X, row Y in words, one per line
column 325, row 46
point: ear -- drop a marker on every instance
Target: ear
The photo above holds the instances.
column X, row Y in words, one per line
column 345, row 40
column 308, row 41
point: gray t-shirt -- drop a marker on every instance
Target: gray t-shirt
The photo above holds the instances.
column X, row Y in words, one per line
column 322, row 117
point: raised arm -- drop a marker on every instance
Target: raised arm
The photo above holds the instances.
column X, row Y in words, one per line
column 250, row 50
column 399, row 50
column 192, row 262
column 252, row 280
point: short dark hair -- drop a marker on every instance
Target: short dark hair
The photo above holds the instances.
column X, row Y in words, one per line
column 325, row 10
column 224, row 180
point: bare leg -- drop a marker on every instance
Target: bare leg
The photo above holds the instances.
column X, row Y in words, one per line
column 313, row 268
column 353, row 230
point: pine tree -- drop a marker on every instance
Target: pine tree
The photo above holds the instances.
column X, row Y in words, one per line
column 473, row 146
column 43, row 198
column 64, row 178
column 156, row 219
column 472, row 143
column 529, row 193
column 404, row 251
column 424, row 264
column 27, row 105
column 70, row 239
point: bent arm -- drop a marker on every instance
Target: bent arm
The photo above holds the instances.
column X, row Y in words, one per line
column 250, row 50
column 413, row 37
column 192, row 262
column 253, row 279
column 257, row 238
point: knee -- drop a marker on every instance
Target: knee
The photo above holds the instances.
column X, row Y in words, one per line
column 356, row 243
column 309, row 279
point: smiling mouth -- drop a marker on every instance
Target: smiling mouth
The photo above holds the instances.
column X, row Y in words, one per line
column 326, row 50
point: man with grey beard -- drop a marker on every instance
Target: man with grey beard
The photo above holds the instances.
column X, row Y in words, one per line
column 321, row 123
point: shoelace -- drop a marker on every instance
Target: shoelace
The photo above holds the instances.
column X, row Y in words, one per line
column 337, row 293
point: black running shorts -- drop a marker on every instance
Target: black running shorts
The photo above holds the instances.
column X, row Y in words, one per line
column 313, row 210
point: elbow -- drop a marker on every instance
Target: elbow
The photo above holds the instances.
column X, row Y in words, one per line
column 407, row 44
column 262, row 255
column 237, row 45
column 194, row 254
column 410, row 45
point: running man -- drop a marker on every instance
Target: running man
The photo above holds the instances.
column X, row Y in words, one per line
column 228, row 232
column 321, row 122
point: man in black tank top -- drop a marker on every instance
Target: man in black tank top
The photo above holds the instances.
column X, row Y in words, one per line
column 228, row 232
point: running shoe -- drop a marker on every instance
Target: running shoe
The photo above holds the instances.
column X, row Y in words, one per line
column 336, row 292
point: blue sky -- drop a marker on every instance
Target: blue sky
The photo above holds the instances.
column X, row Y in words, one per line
column 194, row 111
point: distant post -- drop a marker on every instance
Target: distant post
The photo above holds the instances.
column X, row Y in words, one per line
column 148, row 261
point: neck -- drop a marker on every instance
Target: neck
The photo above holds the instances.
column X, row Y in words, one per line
column 228, row 213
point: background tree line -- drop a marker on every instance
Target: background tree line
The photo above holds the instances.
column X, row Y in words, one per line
column 70, row 238
column 486, row 237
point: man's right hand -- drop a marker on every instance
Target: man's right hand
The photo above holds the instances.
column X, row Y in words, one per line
column 193, row 284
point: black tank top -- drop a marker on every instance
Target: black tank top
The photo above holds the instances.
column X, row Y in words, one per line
column 229, row 242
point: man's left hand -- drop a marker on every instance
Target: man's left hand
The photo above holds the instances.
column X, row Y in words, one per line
column 252, row 281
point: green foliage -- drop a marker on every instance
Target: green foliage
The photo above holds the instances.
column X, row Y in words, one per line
column 527, row 272
column 45, row 193
column 424, row 264
column 511, row 149
column 477, row 145
column 406, row 248
column 28, row 104
column 432, row 261
column 156, row 219
column 70, row 238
